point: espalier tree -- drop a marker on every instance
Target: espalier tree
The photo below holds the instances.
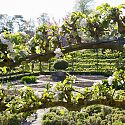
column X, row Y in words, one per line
column 103, row 28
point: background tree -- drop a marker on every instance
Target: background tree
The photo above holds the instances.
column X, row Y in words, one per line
column 83, row 6
column 30, row 27
column 6, row 22
column 19, row 21
column 43, row 19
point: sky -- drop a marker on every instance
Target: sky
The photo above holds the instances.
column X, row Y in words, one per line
column 34, row 8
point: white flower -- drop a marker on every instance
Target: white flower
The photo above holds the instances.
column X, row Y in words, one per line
column 2, row 35
column 23, row 33
column 20, row 105
column 58, row 55
column 58, row 52
column 38, row 94
column 122, row 82
column 119, row 83
column 10, row 47
column 39, row 33
column 9, row 44
column 25, row 52
column 38, row 49
column 83, row 23
column 30, row 41
column 124, row 45
column 110, row 80
column 82, row 90
column 74, row 81
column 4, row 41
column 57, row 95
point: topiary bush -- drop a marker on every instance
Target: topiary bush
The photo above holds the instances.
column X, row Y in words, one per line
column 61, row 64
column 28, row 79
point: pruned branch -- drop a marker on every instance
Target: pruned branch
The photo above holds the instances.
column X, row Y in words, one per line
column 73, row 106
column 44, row 57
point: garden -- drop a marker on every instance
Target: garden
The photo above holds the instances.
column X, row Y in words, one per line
column 73, row 73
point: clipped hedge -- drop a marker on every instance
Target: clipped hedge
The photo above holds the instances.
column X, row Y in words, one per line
column 6, row 118
column 28, row 79
column 91, row 115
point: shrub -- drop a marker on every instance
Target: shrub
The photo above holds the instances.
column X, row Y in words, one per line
column 61, row 65
column 28, row 79
column 6, row 118
column 91, row 115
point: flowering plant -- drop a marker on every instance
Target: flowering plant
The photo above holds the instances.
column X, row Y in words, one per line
column 58, row 53
column 115, row 81
column 60, row 64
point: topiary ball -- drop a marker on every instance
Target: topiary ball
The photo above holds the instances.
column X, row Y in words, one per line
column 61, row 65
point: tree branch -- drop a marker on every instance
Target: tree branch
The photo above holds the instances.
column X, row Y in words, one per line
column 44, row 57
column 76, row 106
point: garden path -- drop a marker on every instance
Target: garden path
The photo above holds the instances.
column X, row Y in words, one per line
column 82, row 81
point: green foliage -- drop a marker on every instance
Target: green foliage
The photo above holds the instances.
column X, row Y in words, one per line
column 95, row 115
column 117, row 81
column 25, row 99
column 104, row 23
column 87, row 61
column 6, row 118
column 61, row 65
column 4, row 70
column 28, row 79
